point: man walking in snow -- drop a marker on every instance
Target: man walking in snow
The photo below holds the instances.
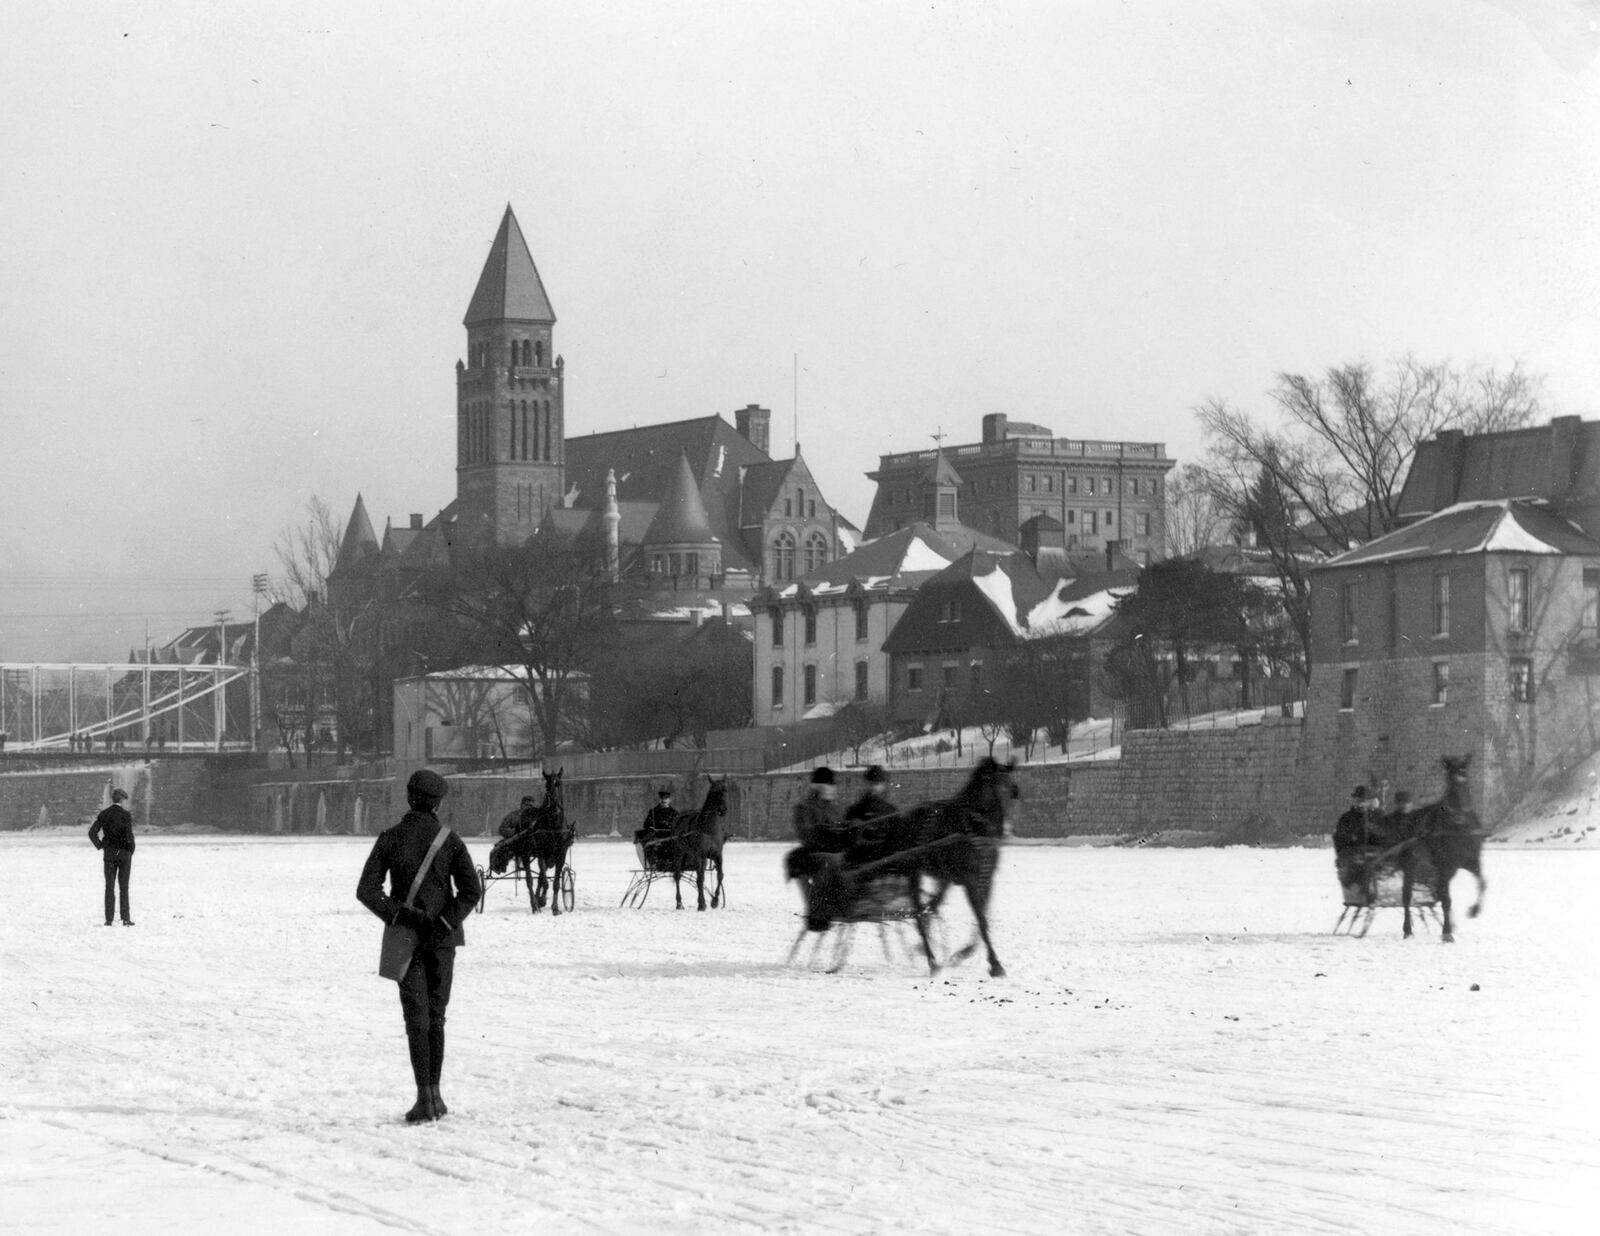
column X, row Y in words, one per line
column 112, row 835
column 422, row 852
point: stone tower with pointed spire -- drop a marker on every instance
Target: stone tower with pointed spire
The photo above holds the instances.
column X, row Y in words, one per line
column 510, row 426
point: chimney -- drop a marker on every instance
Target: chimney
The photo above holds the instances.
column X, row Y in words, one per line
column 1564, row 460
column 994, row 427
column 754, row 423
column 1447, row 473
column 416, row 523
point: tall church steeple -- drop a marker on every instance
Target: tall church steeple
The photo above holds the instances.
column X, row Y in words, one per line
column 510, row 423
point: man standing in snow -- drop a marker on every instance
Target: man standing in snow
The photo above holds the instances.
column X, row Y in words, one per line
column 112, row 835
column 435, row 914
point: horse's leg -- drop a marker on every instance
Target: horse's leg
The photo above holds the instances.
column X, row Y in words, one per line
column 527, row 877
column 716, row 897
column 1407, row 880
column 1447, row 934
column 700, row 882
column 922, row 927
column 842, row 947
column 1475, row 865
column 677, row 887
column 555, row 886
column 977, row 902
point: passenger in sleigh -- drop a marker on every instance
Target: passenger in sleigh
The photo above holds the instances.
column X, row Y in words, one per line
column 1357, row 838
column 523, row 817
column 817, row 827
column 869, row 839
column 659, row 824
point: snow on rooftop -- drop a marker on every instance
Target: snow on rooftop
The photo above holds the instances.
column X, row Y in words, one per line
column 920, row 556
column 1053, row 616
column 996, row 585
column 1509, row 536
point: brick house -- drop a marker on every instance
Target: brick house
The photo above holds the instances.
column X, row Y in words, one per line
column 819, row 639
column 987, row 604
column 1472, row 631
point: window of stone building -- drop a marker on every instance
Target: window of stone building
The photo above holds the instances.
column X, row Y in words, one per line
column 1133, row 486
column 861, row 680
column 1521, row 680
column 816, row 552
column 861, row 620
column 783, row 556
column 1088, row 485
column 810, row 685
column 1591, row 602
column 1111, row 518
column 777, row 686
column 811, row 508
column 1517, row 586
column 810, row 612
column 1090, row 526
column 1347, row 691
column 913, row 678
column 1441, row 605
column 1049, row 484
column 1441, row 682
column 950, row 675
column 777, row 628
column 1072, row 484
column 988, row 485
column 1142, row 524
column 1072, row 517
column 1349, row 630
column 1030, row 483
column 788, row 508
column 947, row 506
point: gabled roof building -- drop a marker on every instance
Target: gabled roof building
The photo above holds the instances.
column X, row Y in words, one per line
column 1473, row 631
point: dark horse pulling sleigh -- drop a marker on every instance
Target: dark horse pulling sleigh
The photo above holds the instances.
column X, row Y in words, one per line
column 694, row 845
column 879, row 879
column 1415, row 870
column 539, row 839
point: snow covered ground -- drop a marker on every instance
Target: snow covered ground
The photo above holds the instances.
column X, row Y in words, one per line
column 1181, row 1047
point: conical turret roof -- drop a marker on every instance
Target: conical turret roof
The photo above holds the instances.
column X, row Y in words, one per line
column 682, row 518
column 359, row 542
column 509, row 286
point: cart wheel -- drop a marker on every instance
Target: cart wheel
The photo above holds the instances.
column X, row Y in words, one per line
column 568, row 890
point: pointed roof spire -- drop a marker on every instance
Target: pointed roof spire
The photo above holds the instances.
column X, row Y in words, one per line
column 509, row 286
column 359, row 541
column 681, row 518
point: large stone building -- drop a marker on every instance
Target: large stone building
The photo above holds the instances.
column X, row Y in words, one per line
column 694, row 505
column 1104, row 493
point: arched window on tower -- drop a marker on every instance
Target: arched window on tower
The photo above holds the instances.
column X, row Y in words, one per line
column 527, row 352
column 538, row 353
column 513, row 452
column 525, row 430
column 783, row 556
column 816, row 552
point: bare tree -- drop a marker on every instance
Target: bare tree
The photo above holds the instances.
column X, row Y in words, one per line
column 306, row 554
column 1194, row 517
column 1328, row 473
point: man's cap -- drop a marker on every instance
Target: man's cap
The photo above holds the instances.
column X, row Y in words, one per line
column 118, row 795
column 1359, row 792
column 666, row 793
column 875, row 775
column 426, row 781
column 527, row 800
column 822, row 776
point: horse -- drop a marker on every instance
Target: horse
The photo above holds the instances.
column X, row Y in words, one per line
column 1449, row 838
column 952, row 840
column 697, row 838
column 545, row 842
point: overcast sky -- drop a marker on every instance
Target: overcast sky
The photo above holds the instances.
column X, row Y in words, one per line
column 239, row 240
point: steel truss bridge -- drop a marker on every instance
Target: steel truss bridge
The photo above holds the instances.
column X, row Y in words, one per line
column 60, row 706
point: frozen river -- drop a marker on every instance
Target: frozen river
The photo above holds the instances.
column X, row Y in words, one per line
column 1181, row 1047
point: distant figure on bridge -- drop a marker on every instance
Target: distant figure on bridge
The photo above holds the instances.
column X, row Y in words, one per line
column 112, row 835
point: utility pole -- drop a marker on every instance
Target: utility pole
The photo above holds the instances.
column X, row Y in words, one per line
column 258, row 586
column 219, row 712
